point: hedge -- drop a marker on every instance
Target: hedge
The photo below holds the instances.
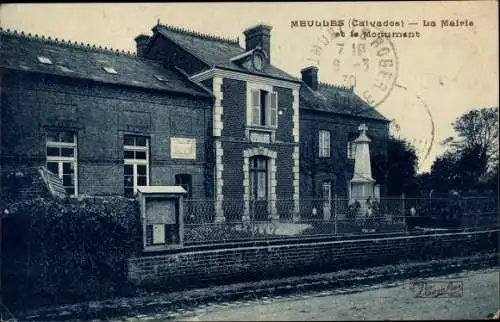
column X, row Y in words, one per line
column 57, row 252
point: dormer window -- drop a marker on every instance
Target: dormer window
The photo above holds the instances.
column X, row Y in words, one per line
column 44, row 60
column 64, row 69
column 110, row 70
column 160, row 78
column 253, row 60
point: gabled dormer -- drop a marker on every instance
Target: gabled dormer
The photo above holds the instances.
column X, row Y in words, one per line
column 254, row 60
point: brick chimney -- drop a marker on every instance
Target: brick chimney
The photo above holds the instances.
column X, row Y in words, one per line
column 259, row 35
column 310, row 76
column 142, row 42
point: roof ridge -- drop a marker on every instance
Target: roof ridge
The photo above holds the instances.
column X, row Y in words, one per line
column 339, row 87
column 67, row 43
column 194, row 33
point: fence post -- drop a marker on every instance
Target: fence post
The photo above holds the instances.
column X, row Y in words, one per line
column 335, row 213
column 403, row 212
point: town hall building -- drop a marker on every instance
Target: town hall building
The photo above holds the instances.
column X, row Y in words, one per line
column 187, row 109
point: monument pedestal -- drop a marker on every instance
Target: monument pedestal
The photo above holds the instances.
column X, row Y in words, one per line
column 361, row 191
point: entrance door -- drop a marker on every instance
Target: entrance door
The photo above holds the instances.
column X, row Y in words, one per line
column 259, row 187
column 186, row 181
column 190, row 214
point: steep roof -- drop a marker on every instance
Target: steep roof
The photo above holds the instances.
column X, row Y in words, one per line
column 216, row 51
column 338, row 100
column 20, row 52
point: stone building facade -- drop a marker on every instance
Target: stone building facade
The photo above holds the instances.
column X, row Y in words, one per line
column 190, row 109
column 103, row 132
column 329, row 120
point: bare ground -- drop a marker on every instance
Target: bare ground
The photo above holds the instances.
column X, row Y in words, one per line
column 396, row 301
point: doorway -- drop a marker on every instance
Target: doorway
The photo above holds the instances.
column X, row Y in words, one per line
column 259, row 187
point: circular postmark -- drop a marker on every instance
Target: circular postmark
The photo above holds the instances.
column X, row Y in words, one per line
column 415, row 121
column 360, row 58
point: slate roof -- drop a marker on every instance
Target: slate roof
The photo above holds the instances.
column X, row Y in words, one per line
column 338, row 100
column 20, row 52
column 216, row 51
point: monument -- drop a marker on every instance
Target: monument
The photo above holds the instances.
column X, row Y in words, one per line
column 362, row 185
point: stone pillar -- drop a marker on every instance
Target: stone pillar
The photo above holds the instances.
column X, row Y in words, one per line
column 246, row 187
column 219, row 183
column 219, row 166
column 273, row 214
column 296, row 156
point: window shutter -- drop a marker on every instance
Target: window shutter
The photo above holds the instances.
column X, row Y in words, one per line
column 255, row 106
column 327, row 143
column 274, row 109
column 321, row 143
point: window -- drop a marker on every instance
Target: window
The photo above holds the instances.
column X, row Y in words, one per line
column 262, row 109
column 44, row 60
column 258, row 178
column 110, row 70
column 160, row 78
column 351, row 146
column 327, row 190
column 64, row 69
column 136, row 163
column 324, row 144
column 61, row 158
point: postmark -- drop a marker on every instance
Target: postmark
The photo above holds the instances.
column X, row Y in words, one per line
column 423, row 133
column 360, row 58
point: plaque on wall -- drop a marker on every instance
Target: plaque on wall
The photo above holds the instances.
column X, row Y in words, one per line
column 261, row 137
column 183, row 148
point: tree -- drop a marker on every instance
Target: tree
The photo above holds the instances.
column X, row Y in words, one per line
column 398, row 170
column 442, row 177
column 471, row 161
column 477, row 137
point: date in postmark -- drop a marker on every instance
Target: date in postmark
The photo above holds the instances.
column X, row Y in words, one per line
column 357, row 57
column 433, row 289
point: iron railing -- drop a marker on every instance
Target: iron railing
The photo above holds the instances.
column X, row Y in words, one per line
column 233, row 221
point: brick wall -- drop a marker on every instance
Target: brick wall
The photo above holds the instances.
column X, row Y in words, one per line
column 251, row 263
column 337, row 168
column 234, row 142
column 24, row 183
column 101, row 115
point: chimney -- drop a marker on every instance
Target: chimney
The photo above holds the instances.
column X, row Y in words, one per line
column 310, row 76
column 259, row 36
column 142, row 42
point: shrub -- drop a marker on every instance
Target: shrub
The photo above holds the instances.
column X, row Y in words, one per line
column 58, row 252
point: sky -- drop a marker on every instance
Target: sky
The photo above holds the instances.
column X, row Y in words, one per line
column 444, row 73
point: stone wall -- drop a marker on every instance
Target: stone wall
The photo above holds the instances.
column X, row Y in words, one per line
column 253, row 263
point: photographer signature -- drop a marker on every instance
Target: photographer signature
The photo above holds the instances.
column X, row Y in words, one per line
column 437, row 288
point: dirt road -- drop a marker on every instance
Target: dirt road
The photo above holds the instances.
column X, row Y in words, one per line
column 479, row 292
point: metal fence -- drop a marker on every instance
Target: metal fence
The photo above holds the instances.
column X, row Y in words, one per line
column 253, row 220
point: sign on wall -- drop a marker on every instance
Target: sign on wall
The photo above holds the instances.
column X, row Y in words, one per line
column 183, row 148
column 261, row 137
